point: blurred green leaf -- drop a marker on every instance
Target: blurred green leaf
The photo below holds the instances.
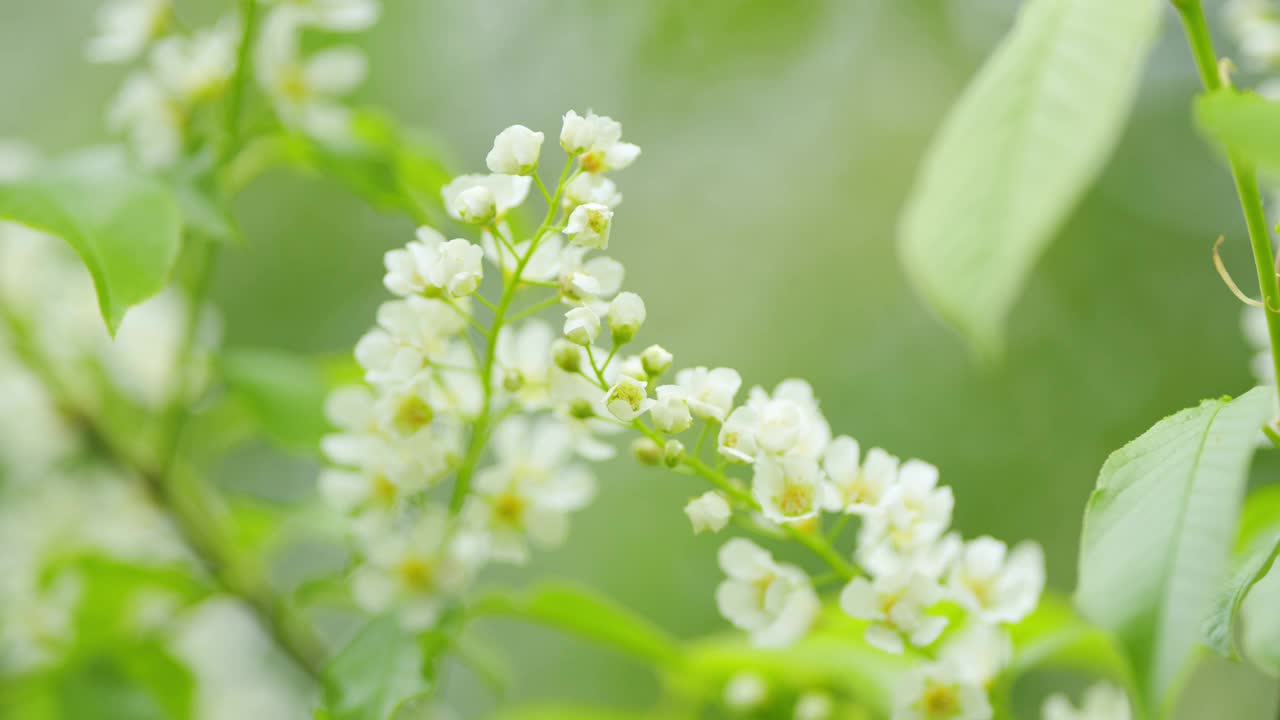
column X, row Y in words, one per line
column 553, row 711
column 1158, row 531
column 1243, row 123
column 1258, row 546
column 1219, row 626
column 1017, row 151
column 125, row 227
column 586, row 613
column 140, row 681
column 284, row 393
column 375, row 673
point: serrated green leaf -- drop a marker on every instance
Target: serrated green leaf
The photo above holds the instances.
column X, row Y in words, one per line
column 586, row 613
column 283, row 392
column 1158, row 531
column 375, row 673
column 1244, row 123
column 125, row 227
column 1016, row 153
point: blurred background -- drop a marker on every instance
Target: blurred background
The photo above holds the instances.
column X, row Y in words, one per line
column 779, row 141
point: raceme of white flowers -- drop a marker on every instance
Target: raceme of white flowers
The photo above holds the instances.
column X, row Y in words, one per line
column 180, row 74
column 481, row 391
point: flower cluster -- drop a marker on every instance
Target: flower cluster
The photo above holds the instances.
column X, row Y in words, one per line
column 501, row 408
column 181, row 75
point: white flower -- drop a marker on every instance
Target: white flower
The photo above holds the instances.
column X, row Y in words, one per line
column 626, row 315
column 1257, row 31
column 347, row 491
column 413, row 570
column 996, row 587
column 582, row 279
column 542, row 267
column 737, row 439
column 475, row 205
column 709, row 393
column 592, row 188
column 198, row 67
column 915, row 512
column 526, row 351
column 814, row 706
column 789, row 420
column 589, row 225
column 304, row 90
column 932, row 561
column 404, row 410
column 507, row 192
column 671, row 413
column 628, row 399
column 708, row 511
column 896, row 606
column 125, row 27
column 458, row 271
column 598, row 139
column 655, row 360
column 581, row 325
column 432, row 264
column 791, row 488
column 152, row 120
column 515, row 151
column 338, row 15
column 774, row 602
column 978, row 653
column 935, row 692
column 1101, row 702
column 861, row 486
column 745, row 691
column 531, row 488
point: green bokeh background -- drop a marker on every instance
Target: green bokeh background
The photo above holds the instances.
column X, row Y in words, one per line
column 779, row 142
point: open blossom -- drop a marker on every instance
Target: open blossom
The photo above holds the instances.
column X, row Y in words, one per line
column 709, row 393
column 196, row 67
column 708, row 511
column 599, row 277
column 304, row 90
column 998, row 586
column 791, row 488
column 1101, row 702
column 914, row 512
column 433, row 264
column 671, row 413
column 337, row 15
column 592, row 188
column 151, row 118
column 581, row 325
column 862, row 485
column 598, row 138
column 515, row 151
column 628, row 399
column 125, row 27
column 772, row 601
column 937, row 691
column 530, row 490
column 526, row 353
column 589, row 225
column 896, row 605
column 467, row 197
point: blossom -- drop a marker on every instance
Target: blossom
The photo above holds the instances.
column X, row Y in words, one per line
column 591, row 188
column 709, row 393
column 338, row 15
column 530, row 490
column 125, row 27
column 153, row 120
column 745, row 691
column 304, row 90
column 655, row 360
column 915, row 512
column 526, row 351
column 774, row 602
column 197, row 67
column 997, row 585
column 935, row 692
column 468, row 197
column 671, row 413
column 432, row 264
column 861, row 485
column 708, row 511
column 628, row 399
column 515, row 151
column 791, row 488
column 581, row 279
column 895, row 605
column 598, row 139
column 1101, row 702
column 626, row 315
column 589, row 225
column 543, row 266
column 581, row 325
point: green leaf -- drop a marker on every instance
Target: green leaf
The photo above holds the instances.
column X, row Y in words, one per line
column 1219, row 626
column 1243, row 123
column 140, row 682
column 1158, row 531
column 284, row 393
column 588, row 614
column 1017, row 151
column 375, row 673
column 125, row 227
column 1260, row 538
column 554, row 711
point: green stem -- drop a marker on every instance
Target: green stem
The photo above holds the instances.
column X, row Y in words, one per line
column 479, row 432
column 235, row 93
column 534, row 309
column 1242, row 172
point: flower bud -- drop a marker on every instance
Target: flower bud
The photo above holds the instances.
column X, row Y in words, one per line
column 581, row 326
column 708, row 511
column 628, row 399
column 646, row 451
column 577, row 133
column 475, row 205
column 673, row 453
column 626, row 315
column 589, row 225
column 567, row 356
column 656, row 360
column 515, row 151
column 512, row 380
column 581, row 409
